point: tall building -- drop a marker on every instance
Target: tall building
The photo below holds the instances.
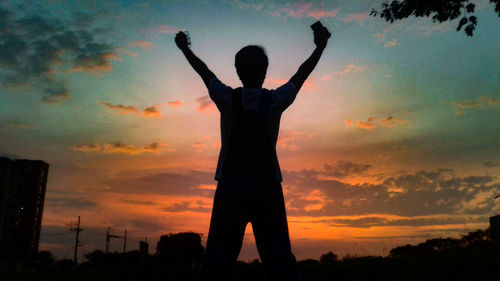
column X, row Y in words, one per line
column 495, row 227
column 22, row 194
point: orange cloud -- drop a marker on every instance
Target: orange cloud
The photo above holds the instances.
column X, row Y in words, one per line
column 368, row 125
column 176, row 103
column 493, row 102
column 198, row 146
column 122, row 148
column 95, row 64
column 288, row 139
column 123, row 109
column 146, row 45
column 390, row 122
column 151, row 111
column 87, row 147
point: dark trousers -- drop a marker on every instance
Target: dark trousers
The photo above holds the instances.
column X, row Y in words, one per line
column 236, row 203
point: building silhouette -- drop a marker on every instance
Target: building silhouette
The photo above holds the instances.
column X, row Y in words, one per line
column 22, row 195
column 495, row 227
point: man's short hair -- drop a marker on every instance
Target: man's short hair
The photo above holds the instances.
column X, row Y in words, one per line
column 251, row 63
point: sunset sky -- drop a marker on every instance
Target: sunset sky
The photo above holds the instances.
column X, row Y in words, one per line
column 393, row 139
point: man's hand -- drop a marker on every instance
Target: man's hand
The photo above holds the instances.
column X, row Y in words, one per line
column 321, row 36
column 181, row 40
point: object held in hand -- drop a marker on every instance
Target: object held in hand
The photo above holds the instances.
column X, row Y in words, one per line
column 319, row 29
column 187, row 38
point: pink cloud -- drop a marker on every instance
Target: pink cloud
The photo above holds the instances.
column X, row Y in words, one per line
column 205, row 105
column 304, row 10
column 146, row 45
column 165, row 29
column 355, row 17
column 350, row 69
column 308, row 86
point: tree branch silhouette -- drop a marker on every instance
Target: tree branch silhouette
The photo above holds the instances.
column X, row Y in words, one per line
column 438, row 10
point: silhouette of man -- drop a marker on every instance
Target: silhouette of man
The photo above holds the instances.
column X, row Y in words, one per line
column 248, row 173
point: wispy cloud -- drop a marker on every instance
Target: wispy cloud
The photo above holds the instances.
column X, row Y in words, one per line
column 368, row 124
column 123, row 109
column 176, row 103
column 297, row 10
column 151, row 111
column 308, row 86
column 165, row 29
column 371, row 122
column 87, row 147
column 205, row 105
column 391, row 43
column 122, row 148
column 391, row 122
column 146, row 45
column 199, row 146
column 348, row 70
column 343, row 169
column 304, row 10
column 22, row 126
column 479, row 103
column 359, row 17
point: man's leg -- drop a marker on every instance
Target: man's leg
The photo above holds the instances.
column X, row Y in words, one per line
column 271, row 236
column 225, row 236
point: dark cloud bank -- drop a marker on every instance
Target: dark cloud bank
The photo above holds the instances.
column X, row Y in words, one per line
column 423, row 198
column 34, row 47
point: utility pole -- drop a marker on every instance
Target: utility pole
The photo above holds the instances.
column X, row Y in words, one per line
column 108, row 236
column 125, row 242
column 77, row 229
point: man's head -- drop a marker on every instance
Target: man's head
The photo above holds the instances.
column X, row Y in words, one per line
column 251, row 65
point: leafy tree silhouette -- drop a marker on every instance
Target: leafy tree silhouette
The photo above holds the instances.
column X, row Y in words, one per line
column 183, row 248
column 328, row 258
column 440, row 10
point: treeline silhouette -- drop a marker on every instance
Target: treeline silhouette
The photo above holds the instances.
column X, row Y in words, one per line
column 474, row 256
